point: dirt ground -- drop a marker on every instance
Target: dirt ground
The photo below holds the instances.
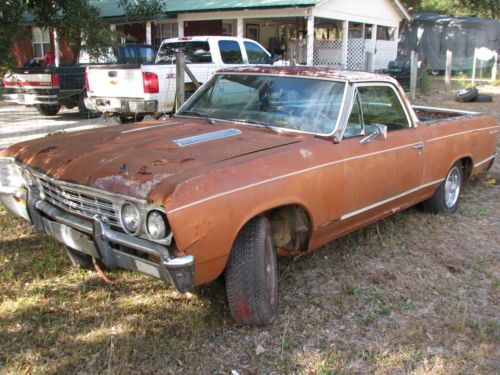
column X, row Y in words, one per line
column 416, row 293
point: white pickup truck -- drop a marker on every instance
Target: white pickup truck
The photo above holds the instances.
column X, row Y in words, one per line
column 130, row 92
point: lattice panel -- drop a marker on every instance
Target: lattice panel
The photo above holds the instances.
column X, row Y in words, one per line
column 328, row 53
column 356, row 54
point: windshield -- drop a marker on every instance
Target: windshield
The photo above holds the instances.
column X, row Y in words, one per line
column 195, row 52
column 309, row 105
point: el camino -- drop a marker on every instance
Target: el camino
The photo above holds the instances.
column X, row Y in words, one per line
column 260, row 162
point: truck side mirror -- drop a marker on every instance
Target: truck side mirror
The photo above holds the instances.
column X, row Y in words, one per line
column 375, row 131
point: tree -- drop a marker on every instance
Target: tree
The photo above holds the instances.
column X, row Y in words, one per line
column 473, row 8
column 77, row 22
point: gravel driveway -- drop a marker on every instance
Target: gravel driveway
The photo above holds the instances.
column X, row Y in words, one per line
column 19, row 123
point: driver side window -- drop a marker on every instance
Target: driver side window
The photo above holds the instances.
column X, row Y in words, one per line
column 375, row 105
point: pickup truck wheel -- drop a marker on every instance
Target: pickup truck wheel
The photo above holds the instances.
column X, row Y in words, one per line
column 47, row 109
column 129, row 119
column 79, row 259
column 252, row 275
column 445, row 198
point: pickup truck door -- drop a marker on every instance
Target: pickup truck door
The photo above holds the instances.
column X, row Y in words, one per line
column 381, row 176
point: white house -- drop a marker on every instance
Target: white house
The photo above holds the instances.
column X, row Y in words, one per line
column 334, row 33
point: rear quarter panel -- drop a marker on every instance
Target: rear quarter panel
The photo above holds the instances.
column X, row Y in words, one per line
column 472, row 136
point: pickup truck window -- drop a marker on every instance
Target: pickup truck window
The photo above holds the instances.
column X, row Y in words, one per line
column 256, row 55
column 196, row 52
column 309, row 105
column 230, row 52
column 137, row 54
column 381, row 105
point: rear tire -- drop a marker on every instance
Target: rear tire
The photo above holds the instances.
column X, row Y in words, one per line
column 129, row 119
column 48, row 109
column 483, row 98
column 445, row 198
column 252, row 275
column 79, row 259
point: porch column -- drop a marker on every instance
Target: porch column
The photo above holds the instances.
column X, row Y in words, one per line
column 148, row 32
column 180, row 28
column 374, row 44
column 56, row 47
column 112, row 27
column 345, row 43
column 240, row 29
column 310, row 39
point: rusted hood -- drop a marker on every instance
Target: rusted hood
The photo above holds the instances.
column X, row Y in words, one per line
column 133, row 159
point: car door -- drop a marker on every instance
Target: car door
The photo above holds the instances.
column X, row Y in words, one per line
column 379, row 176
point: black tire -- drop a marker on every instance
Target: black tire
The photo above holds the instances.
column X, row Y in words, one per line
column 252, row 275
column 84, row 111
column 79, row 259
column 483, row 98
column 466, row 95
column 47, row 109
column 441, row 201
column 129, row 119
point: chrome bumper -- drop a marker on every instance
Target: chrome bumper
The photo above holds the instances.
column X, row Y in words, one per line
column 121, row 106
column 96, row 239
column 31, row 99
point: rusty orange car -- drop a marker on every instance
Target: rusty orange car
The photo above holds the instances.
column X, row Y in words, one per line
column 260, row 162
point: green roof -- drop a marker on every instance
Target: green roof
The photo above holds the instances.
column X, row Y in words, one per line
column 111, row 8
column 200, row 6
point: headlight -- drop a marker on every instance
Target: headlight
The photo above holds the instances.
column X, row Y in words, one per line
column 130, row 218
column 11, row 175
column 156, row 225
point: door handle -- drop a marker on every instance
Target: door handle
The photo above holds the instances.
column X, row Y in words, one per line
column 418, row 146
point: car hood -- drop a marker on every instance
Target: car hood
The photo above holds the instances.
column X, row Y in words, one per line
column 132, row 159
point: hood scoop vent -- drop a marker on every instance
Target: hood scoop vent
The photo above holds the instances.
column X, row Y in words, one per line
column 188, row 141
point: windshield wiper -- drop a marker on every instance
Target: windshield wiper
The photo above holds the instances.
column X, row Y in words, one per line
column 199, row 114
column 261, row 123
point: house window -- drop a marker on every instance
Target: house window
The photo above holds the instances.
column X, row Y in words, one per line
column 385, row 33
column 368, row 31
column 41, row 42
column 164, row 31
column 227, row 28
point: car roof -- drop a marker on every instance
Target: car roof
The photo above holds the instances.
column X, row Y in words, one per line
column 310, row 71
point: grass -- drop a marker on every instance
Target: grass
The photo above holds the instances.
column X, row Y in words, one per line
column 413, row 294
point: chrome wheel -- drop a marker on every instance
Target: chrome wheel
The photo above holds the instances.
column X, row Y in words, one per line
column 452, row 187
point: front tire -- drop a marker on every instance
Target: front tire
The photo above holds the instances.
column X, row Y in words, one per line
column 252, row 275
column 48, row 109
column 445, row 198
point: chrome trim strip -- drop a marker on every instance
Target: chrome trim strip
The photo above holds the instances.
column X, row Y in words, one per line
column 445, row 110
column 285, row 176
column 374, row 205
column 485, row 160
column 460, row 133
column 149, row 127
column 206, row 137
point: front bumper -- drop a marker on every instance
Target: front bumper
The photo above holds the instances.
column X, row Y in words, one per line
column 122, row 106
column 114, row 249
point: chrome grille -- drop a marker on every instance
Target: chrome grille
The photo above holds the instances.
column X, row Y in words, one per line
column 79, row 202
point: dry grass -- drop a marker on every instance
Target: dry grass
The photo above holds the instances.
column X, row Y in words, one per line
column 415, row 293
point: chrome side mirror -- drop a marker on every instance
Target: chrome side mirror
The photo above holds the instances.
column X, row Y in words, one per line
column 375, row 131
